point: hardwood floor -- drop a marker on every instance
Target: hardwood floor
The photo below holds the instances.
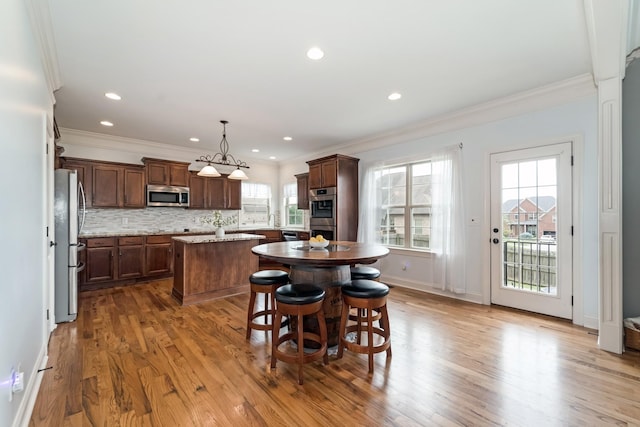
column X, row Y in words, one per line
column 135, row 357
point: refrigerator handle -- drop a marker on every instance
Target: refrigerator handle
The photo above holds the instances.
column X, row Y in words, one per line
column 83, row 205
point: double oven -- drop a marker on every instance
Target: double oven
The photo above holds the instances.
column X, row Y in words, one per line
column 323, row 212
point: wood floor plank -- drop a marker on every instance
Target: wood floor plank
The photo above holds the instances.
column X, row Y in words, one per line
column 135, row 357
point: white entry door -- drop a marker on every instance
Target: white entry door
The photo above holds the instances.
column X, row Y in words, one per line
column 531, row 230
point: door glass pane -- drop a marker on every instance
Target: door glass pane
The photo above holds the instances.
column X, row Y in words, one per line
column 529, row 194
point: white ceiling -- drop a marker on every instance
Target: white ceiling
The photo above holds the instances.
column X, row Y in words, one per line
column 182, row 66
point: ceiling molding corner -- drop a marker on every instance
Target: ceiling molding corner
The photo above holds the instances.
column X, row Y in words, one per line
column 42, row 29
column 557, row 93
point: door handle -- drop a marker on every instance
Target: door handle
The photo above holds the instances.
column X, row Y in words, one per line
column 496, row 241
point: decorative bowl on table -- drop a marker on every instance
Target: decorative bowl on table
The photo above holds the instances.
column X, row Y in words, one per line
column 318, row 245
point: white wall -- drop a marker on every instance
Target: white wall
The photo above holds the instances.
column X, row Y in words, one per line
column 24, row 105
column 573, row 120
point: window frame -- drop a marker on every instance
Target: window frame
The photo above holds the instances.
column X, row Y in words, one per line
column 408, row 210
column 288, row 201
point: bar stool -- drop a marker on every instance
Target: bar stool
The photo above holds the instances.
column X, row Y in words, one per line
column 370, row 273
column 264, row 282
column 299, row 300
column 362, row 272
column 366, row 295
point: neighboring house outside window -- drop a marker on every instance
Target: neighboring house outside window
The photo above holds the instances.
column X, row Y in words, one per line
column 256, row 205
column 292, row 216
column 405, row 192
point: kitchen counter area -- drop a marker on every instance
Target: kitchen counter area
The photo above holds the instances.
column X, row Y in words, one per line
column 178, row 231
column 208, row 267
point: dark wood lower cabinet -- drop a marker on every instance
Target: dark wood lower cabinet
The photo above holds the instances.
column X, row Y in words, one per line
column 122, row 260
column 100, row 265
column 159, row 256
column 130, row 257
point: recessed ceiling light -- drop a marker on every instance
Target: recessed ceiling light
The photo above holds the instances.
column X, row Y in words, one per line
column 194, row 139
column 315, row 53
column 394, row 96
column 255, row 150
column 272, row 157
column 112, row 95
column 106, row 123
column 287, row 138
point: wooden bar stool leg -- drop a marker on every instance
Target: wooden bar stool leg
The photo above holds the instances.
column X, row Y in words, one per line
column 387, row 329
column 343, row 328
column 300, row 346
column 370, row 339
column 252, row 302
column 275, row 340
column 322, row 323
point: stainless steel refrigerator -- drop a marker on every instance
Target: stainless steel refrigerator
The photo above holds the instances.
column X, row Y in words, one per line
column 69, row 213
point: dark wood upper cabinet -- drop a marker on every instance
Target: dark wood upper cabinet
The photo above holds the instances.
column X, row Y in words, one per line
column 117, row 185
column 106, row 191
column 234, row 194
column 134, row 195
column 84, row 169
column 166, row 172
column 109, row 184
column 215, row 193
column 196, row 191
column 303, row 190
column 324, row 172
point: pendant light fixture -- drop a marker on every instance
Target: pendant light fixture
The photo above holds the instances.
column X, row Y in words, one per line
column 222, row 158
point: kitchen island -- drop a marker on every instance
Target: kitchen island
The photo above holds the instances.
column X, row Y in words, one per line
column 208, row 267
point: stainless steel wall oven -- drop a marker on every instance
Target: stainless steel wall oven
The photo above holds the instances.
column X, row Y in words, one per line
column 323, row 207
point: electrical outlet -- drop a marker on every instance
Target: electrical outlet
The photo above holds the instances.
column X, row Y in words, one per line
column 11, row 377
column 18, row 382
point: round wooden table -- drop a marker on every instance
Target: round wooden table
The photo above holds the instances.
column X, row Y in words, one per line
column 328, row 268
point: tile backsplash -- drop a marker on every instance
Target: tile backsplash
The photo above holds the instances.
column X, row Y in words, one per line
column 157, row 220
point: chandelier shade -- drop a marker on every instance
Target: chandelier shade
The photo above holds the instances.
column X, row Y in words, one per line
column 222, row 158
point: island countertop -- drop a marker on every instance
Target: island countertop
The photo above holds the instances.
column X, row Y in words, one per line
column 211, row 238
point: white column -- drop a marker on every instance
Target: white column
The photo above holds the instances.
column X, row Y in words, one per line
column 610, row 214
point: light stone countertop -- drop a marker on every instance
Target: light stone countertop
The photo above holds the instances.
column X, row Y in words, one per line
column 161, row 231
column 211, row 238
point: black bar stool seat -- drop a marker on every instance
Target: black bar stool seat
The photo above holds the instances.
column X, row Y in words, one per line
column 264, row 282
column 363, row 272
column 299, row 300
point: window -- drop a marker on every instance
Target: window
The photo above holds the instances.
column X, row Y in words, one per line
column 532, row 216
column 293, row 216
column 256, row 205
column 405, row 193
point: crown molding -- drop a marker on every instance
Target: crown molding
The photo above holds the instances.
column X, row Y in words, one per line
column 40, row 17
column 554, row 94
column 524, row 102
column 119, row 144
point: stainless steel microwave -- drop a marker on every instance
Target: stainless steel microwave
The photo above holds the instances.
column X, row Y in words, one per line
column 167, row 195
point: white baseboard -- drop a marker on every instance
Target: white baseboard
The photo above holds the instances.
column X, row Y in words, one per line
column 590, row 322
column 424, row 287
column 31, row 391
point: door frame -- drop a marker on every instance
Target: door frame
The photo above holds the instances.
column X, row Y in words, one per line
column 576, row 204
